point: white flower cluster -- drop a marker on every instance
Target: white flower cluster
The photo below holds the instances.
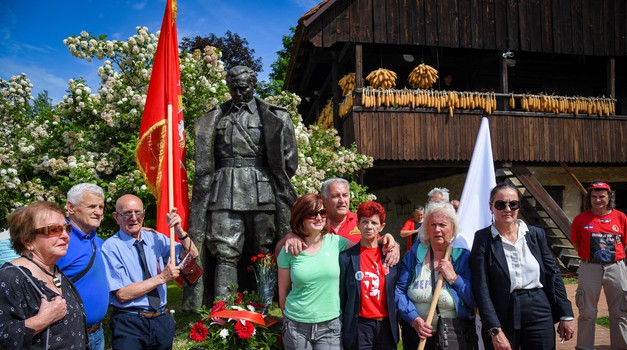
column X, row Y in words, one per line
column 320, row 154
column 15, row 95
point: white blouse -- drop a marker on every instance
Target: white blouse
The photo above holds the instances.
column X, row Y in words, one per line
column 524, row 269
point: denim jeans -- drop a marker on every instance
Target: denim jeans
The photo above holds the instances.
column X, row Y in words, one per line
column 325, row 335
column 96, row 339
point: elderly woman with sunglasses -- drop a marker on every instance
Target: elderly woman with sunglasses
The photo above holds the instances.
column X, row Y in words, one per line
column 309, row 283
column 517, row 285
column 41, row 309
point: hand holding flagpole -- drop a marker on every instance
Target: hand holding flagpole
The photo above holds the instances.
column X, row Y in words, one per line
column 436, row 297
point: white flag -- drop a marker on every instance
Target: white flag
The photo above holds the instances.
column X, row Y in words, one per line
column 474, row 211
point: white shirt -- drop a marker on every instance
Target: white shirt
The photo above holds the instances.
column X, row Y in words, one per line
column 524, row 269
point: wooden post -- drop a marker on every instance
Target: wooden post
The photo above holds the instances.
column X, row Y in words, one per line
column 504, row 83
column 611, row 77
column 436, row 297
column 359, row 70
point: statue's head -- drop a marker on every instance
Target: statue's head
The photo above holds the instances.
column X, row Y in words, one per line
column 242, row 82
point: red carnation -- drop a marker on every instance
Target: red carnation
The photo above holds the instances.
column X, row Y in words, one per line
column 218, row 306
column 260, row 255
column 199, row 332
column 253, row 259
column 240, row 298
column 257, row 306
column 244, row 329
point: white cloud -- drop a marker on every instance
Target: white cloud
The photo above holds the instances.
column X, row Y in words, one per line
column 306, row 4
column 139, row 5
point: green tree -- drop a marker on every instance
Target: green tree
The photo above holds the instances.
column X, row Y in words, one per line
column 235, row 50
column 274, row 85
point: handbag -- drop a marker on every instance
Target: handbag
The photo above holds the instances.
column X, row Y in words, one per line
column 190, row 270
column 453, row 333
column 456, row 334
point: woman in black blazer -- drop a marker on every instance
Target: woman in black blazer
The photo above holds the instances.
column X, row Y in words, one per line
column 369, row 314
column 517, row 285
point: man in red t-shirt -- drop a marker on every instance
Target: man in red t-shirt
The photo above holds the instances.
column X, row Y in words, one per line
column 337, row 199
column 411, row 226
column 599, row 235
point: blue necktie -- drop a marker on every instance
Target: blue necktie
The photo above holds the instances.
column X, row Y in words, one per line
column 153, row 295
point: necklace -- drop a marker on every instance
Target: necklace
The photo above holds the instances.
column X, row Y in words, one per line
column 55, row 278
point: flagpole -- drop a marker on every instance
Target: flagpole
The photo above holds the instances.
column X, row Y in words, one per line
column 436, row 297
column 170, row 182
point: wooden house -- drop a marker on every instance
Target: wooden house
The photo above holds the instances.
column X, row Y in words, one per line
column 505, row 50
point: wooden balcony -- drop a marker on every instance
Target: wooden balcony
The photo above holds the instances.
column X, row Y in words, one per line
column 420, row 134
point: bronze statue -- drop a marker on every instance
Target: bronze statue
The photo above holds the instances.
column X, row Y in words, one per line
column 246, row 154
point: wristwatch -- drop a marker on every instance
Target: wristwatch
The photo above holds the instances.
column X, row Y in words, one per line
column 494, row 331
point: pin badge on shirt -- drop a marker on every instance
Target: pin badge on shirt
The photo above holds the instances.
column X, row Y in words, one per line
column 359, row 275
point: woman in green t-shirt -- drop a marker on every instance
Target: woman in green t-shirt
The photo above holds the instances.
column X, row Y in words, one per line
column 309, row 283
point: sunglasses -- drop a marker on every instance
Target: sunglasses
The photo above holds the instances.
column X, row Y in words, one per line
column 322, row 213
column 500, row 205
column 53, row 230
column 129, row 214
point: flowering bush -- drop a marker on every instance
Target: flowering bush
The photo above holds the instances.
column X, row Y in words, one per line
column 265, row 268
column 236, row 322
column 321, row 156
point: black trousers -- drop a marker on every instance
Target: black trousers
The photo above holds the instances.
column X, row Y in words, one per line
column 530, row 324
column 373, row 335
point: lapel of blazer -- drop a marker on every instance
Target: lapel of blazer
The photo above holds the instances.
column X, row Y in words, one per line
column 497, row 250
column 532, row 242
column 356, row 267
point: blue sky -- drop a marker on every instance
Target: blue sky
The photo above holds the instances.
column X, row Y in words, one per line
column 32, row 31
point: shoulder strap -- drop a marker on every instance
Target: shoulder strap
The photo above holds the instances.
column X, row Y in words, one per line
column 88, row 267
column 41, row 293
column 244, row 133
column 437, row 308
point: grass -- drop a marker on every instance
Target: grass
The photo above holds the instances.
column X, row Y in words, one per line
column 604, row 321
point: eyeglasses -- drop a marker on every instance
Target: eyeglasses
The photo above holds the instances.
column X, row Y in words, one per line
column 500, row 205
column 322, row 213
column 53, row 230
column 129, row 214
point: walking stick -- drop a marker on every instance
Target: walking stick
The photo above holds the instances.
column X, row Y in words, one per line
column 436, row 297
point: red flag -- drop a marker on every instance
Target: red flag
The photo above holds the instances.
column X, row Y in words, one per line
column 152, row 147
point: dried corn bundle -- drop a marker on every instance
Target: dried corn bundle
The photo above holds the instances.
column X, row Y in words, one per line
column 382, row 79
column 423, row 76
column 347, row 83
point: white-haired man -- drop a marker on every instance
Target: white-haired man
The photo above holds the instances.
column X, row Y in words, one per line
column 439, row 194
column 84, row 263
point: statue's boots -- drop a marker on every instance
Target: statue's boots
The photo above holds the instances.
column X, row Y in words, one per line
column 225, row 277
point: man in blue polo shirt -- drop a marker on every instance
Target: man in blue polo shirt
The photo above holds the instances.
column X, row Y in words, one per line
column 84, row 263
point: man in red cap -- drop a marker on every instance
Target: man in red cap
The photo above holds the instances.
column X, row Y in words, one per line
column 599, row 235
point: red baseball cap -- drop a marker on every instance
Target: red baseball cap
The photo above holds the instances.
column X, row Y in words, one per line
column 599, row 186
